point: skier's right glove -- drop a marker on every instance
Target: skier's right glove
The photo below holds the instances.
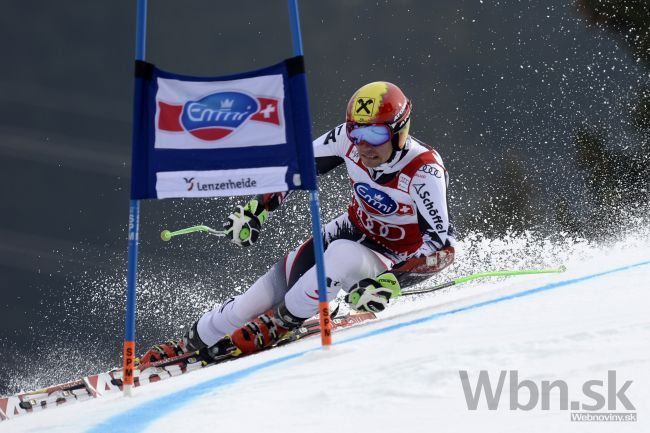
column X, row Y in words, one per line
column 244, row 224
column 373, row 294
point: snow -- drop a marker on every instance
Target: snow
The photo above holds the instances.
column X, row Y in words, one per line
column 401, row 373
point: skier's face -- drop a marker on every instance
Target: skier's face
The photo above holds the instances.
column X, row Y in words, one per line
column 373, row 156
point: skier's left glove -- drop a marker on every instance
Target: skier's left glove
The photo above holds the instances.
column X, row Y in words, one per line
column 373, row 294
column 244, row 224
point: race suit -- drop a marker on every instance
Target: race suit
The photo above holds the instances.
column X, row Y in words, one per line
column 397, row 220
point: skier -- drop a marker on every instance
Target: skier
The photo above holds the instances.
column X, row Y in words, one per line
column 396, row 232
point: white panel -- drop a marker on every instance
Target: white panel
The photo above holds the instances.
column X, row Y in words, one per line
column 216, row 183
column 250, row 133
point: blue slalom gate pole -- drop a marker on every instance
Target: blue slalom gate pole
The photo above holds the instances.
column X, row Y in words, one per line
column 314, row 203
column 134, row 217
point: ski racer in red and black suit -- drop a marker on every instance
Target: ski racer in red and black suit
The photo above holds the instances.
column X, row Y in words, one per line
column 396, row 232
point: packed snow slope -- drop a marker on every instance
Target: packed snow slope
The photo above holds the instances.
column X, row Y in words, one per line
column 401, row 373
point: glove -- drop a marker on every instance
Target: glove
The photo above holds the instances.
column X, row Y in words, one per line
column 373, row 294
column 244, row 224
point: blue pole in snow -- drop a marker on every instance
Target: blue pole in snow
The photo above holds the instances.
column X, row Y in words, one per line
column 132, row 273
column 314, row 203
column 134, row 217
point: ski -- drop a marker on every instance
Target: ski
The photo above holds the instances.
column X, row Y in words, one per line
column 97, row 385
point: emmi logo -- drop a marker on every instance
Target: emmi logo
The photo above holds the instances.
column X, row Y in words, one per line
column 374, row 200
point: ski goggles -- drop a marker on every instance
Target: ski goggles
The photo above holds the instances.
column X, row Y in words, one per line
column 374, row 134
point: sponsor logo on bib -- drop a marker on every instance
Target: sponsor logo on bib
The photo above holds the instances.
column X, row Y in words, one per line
column 374, row 200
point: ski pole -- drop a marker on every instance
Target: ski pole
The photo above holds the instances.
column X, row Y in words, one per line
column 166, row 235
column 467, row 278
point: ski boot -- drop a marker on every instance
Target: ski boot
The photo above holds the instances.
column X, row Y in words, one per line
column 190, row 342
column 260, row 333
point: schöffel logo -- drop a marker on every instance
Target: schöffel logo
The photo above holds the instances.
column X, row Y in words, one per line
column 376, row 201
column 216, row 116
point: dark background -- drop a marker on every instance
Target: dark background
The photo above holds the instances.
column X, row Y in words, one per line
column 540, row 109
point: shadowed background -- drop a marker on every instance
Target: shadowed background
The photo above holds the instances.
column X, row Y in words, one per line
column 541, row 111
